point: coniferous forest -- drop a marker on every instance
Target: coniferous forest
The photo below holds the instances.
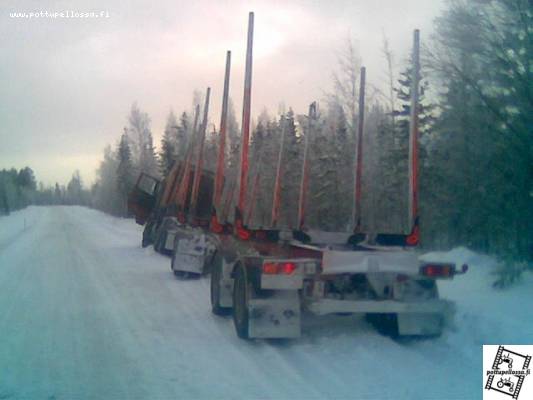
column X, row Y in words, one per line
column 476, row 143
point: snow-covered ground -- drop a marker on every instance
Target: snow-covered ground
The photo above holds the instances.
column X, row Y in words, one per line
column 86, row 313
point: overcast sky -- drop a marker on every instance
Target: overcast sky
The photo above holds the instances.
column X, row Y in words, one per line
column 67, row 84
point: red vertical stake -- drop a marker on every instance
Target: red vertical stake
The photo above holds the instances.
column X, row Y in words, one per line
column 222, row 140
column 413, row 143
column 243, row 173
column 200, row 157
column 358, row 170
column 184, row 183
column 253, row 198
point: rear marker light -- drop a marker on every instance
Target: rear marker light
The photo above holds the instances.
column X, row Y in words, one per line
column 464, row 268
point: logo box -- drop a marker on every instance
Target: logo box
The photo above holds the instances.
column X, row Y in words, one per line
column 506, row 372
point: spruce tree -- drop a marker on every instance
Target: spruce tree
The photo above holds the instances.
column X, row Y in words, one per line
column 482, row 55
column 168, row 152
column 124, row 171
column 181, row 139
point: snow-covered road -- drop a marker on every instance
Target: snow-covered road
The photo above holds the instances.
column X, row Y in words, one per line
column 86, row 313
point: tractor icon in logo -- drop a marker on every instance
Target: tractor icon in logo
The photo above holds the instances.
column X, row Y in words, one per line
column 506, row 382
column 506, row 359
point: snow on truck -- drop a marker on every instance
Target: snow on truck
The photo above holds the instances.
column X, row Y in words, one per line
column 268, row 277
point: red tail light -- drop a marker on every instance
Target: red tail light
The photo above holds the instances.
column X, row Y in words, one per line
column 437, row 270
column 288, row 268
column 275, row 268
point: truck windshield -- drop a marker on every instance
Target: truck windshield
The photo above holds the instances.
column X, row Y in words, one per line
column 147, row 184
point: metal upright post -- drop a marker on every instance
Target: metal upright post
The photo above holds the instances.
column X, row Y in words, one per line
column 243, row 170
column 219, row 179
column 413, row 139
column 358, row 170
column 277, row 184
column 305, row 168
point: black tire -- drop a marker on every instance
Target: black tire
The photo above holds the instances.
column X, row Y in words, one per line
column 159, row 244
column 146, row 240
column 182, row 274
column 240, row 304
column 216, row 276
column 385, row 324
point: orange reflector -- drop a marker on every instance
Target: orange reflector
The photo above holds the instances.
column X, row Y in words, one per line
column 270, row 268
column 437, row 270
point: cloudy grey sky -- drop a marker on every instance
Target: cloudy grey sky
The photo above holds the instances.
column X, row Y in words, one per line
column 68, row 83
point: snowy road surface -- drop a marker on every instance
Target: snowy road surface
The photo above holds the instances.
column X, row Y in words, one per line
column 86, row 313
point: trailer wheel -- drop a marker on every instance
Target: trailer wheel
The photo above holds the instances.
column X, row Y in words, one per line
column 186, row 275
column 240, row 304
column 385, row 324
column 216, row 278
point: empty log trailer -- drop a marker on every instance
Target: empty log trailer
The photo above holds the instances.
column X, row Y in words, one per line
column 179, row 205
column 268, row 278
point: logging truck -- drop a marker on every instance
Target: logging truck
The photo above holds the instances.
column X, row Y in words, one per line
column 269, row 277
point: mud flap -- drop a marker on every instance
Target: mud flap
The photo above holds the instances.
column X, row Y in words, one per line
column 275, row 317
column 191, row 252
column 420, row 324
